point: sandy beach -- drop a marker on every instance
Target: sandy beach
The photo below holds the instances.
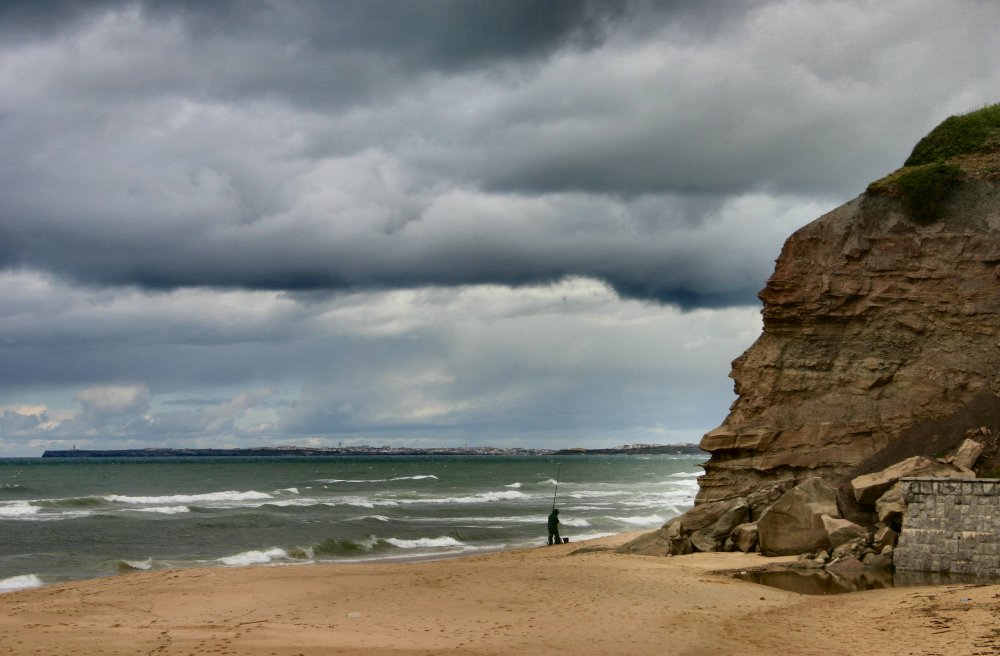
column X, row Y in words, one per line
column 544, row 600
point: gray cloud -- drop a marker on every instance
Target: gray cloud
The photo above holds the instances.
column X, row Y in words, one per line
column 268, row 220
column 176, row 144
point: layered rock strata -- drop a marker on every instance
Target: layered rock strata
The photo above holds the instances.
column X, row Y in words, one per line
column 873, row 324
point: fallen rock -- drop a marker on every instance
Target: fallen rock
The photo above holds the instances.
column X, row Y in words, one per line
column 966, row 454
column 794, row 523
column 884, row 537
column 875, row 561
column 847, row 567
column 840, row 531
column 703, row 528
column 869, row 487
column 744, row 537
column 890, row 507
column 762, row 498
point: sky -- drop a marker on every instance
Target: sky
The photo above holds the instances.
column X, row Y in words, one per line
column 432, row 222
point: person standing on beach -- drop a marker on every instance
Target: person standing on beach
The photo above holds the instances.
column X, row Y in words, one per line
column 554, row 527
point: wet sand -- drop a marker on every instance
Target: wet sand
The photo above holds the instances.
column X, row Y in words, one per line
column 544, row 600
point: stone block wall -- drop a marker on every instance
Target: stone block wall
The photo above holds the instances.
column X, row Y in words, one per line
column 950, row 526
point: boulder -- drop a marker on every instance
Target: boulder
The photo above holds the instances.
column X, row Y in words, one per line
column 744, row 537
column 874, row 561
column 840, row 531
column 703, row 528
column 848, row 567
column 762, row 498
column 794, row 523
column 966, row 454
column 884, row 537
column 869, row 487
column 890, row 507
column 713, row 525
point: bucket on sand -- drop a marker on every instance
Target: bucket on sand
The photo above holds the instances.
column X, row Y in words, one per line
column 565, row 540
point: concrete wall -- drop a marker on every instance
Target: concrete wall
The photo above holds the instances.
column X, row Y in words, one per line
column 950, row 525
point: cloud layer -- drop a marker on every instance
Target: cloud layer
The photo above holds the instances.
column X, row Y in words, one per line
column 239, row 170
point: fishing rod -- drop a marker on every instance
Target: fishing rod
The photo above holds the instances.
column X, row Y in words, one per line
column 558, row 472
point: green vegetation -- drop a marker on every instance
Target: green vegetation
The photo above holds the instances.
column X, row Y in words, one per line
column 938, row 164
column 925, row 188
column 957, row 135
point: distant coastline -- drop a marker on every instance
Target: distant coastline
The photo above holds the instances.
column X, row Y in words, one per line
column 272, row 451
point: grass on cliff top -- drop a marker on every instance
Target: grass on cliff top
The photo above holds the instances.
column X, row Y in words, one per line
column 958, row 135
column 965, row 145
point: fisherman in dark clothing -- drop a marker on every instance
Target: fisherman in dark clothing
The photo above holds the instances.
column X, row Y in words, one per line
column 554, row 527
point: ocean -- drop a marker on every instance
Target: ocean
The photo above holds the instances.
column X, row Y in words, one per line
column 75, row 518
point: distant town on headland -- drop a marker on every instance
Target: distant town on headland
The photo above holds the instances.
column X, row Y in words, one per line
column 156, row 452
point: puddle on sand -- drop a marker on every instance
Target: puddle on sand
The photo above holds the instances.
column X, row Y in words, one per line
column 821, row 582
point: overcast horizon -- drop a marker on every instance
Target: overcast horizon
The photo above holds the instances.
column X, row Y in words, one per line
column 429, row 223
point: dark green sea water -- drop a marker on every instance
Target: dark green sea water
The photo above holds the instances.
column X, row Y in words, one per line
column 80, row 518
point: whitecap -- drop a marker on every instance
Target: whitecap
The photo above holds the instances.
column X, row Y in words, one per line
column 444, row 541
column 230, row 495
column 418, row 477
column 477, row 498
column 164, row 510
column 18, row 509
column 290, row 490
column 22, row 582
column 577, row 522
column 514, row 485
column 254, row 557
column 142, row 565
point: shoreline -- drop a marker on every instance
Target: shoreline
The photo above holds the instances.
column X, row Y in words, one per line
column 577, row 598
column 401, row 558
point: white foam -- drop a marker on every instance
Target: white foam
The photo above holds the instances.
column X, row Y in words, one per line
column 22, row 582
column 514, row 485
column 164, row 510
column 580, row 523
column 476, row 498
column 640, row 520
column 254, row 557
column 291, row 490
column 425, row 543
column 143, row 565
column 418, row 477
column 231, row 495
column 18, row 509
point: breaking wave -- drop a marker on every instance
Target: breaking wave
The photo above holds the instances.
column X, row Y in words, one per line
column 444, row 541
column 18, row 509
column 223, row 497
column 22, row 582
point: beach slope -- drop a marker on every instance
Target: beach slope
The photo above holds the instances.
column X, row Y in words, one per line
column 545, row 600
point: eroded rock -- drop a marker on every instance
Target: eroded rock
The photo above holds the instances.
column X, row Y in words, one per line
column 840, row 530
column 869, row 487
column 794, row 523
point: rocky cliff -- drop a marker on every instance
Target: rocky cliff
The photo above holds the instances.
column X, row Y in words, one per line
column 881, row 331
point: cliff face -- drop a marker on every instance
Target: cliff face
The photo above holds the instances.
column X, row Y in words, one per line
column 874, row 325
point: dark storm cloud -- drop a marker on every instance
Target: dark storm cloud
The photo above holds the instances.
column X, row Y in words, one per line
column 664, row 147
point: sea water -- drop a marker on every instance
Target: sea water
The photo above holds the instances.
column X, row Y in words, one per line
column 74, row 518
